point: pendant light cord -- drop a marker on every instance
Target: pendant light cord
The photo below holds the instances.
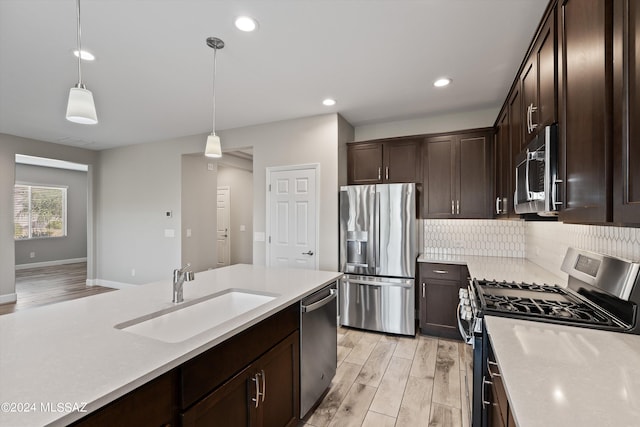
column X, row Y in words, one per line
column 79, row 36
column 215, row 51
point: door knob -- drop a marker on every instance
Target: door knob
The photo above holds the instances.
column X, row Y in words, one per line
column 307, row 253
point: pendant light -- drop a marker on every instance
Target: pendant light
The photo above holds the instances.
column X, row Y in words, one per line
column 213, row 148
column 81, row 108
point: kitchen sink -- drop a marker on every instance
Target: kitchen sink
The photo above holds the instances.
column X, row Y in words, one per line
column 181, row 322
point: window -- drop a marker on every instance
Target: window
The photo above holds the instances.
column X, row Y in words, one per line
column 39, row 211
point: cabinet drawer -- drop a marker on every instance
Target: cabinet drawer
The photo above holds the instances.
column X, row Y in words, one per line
column 441, row 271
column 209, row 370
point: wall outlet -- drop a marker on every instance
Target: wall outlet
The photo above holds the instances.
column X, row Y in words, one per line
column 32, row 254
column 259, row 236
column 169, row 232
column 243, row 227
column 188, row 232
column 209, row 166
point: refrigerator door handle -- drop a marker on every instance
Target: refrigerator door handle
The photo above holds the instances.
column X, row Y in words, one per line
column 376, row 225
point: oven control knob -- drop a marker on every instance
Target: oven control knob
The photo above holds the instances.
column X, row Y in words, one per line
column 464, row 301
column 463, row 293
column 467, row 314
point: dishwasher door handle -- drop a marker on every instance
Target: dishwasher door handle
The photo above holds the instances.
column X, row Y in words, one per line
column 324, row 301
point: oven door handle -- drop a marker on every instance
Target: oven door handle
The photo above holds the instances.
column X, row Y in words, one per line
column 465, row 335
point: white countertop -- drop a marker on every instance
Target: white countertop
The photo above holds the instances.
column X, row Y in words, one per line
column 498, row 268
column 71, row 353
column 565, row 376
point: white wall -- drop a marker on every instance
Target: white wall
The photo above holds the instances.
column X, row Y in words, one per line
column 199, row 196
column 74, row 244
column 240, row 183
column 10, row 146
column 300, row 141
column 432, row 124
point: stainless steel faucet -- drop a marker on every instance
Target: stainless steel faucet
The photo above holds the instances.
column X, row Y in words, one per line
column 179, row 277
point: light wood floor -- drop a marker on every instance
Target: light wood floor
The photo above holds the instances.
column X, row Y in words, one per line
column 47, row 285
column 391, row 381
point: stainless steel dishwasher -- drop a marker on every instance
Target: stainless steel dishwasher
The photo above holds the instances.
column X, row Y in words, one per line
column 318, row 345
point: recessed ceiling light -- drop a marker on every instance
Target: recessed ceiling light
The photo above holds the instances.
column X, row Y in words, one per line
column 442, row 82
column 329, row 102
column 86, row 56
column 245, row 23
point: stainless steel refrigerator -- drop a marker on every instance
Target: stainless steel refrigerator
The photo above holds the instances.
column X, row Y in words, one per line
column 378, row 257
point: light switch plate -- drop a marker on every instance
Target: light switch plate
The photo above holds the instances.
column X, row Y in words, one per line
column 169, row 232
column 259, row 236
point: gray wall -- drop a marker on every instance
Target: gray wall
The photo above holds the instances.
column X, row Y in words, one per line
column 137, row 184
column 199, row 199
column 10, row 146
column 292, row 142
column 74, row 244
column 240, row 183
column 432, row 124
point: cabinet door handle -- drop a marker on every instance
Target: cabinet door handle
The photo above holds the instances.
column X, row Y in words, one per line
column 492, row 374
column 258, row 394
column 484, row 400
column 264, row 383
column 379, row 173
column 533, row 109
column 440, row 271
column 528, row 119
column 424, row 293
column 457, row 207
column 498, row 205
column 386, row 172
column 452, row 210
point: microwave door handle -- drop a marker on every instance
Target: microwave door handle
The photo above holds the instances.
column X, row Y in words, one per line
column 526, row 176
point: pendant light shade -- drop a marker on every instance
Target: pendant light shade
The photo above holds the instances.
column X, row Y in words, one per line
column 213, row 148
column 80, row 107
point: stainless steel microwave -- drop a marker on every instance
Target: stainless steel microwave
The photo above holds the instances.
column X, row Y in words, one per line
column 537, row 175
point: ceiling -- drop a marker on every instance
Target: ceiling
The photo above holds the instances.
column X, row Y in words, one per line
column 152, row 79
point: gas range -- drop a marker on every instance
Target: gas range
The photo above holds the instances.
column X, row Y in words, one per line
column 549, row 303
column 602, row 293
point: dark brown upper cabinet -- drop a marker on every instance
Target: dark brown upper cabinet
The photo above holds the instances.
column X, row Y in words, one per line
column 586, row 117
column 504, row 167
column 538, row 80
column 392, row 161
column 457, row 175
column 626, row 182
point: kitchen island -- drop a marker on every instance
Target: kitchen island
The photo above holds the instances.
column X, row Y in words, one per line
column 58, row 363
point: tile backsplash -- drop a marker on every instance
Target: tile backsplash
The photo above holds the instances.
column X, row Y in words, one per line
column 474, row 237
column 547, row 242
column 544, row 243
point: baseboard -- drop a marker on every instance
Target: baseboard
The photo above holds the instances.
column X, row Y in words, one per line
column 8, row 298
column 109, row 284
column 50, row 263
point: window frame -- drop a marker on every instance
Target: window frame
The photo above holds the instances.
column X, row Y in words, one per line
column 64, row 217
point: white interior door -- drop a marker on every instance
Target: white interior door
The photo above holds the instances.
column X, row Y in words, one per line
column 222, row 228
column 292, row 222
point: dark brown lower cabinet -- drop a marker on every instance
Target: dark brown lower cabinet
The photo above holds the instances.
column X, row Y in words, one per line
column 153, row 404
column 262, row 394
column 499, row 412
column 439, row 285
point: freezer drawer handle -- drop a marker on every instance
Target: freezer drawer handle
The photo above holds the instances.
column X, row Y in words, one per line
column 377, row 285
column 440, row 271
column 316, row 305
